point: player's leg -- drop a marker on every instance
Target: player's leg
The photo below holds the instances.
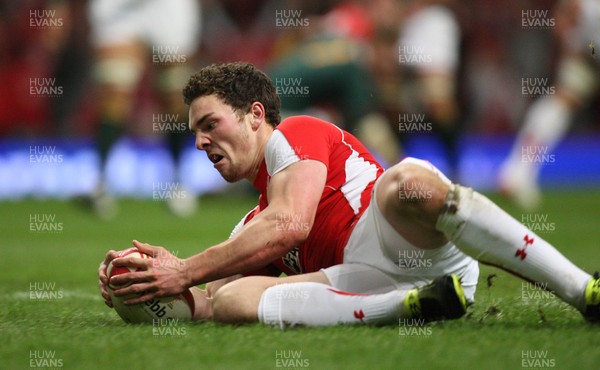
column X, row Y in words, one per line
column 310, row 299
column 410, row 196
column 203, row 310
column 203, row 298
column 238, row 301
column 438, row 95
column 173, row 124
column 547, row 118
column 546, row 122
column 477, row 227
column 173, row 32
column 117, row 70
column 118, row 64
column 414, row 253
column 116, row 73
column 431, row 36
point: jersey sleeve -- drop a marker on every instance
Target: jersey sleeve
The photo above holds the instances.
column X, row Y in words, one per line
column 299, row 138
column 279, row 154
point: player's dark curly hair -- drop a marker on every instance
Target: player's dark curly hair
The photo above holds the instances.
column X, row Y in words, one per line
column 237, row 84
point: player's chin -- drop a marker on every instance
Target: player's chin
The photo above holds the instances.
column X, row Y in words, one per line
column 230, row 175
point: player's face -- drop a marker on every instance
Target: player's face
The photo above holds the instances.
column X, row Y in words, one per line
column 224, row 136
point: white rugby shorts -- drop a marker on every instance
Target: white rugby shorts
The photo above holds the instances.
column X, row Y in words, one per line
column 173, row 24
column 377, row 259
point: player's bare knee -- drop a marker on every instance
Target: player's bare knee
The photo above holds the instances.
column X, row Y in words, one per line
column 414, row 190
column 226, row 306
column 237, row 302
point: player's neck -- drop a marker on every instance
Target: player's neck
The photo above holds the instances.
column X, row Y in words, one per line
column 259, row 155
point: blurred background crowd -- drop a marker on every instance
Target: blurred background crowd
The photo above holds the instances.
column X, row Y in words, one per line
column 433, row 79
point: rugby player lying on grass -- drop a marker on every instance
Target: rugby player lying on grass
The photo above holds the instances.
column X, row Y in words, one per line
column 328, row 212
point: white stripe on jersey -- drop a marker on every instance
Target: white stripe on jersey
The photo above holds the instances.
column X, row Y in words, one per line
column 359, row 173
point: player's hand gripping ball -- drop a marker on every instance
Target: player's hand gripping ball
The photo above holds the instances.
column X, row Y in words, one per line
column 178, row 307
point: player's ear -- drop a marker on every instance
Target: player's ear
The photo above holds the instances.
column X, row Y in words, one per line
column 258, row 114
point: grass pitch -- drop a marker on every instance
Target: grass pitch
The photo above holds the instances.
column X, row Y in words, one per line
column 52, row 315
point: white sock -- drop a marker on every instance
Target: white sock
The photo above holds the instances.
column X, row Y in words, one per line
column 546, row 122
column 315, row 304
column 485, row 232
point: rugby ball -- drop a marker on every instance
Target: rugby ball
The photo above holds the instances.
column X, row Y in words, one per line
column 178, row 307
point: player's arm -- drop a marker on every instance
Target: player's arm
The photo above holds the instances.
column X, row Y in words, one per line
column 211, row 288
column 294, row 195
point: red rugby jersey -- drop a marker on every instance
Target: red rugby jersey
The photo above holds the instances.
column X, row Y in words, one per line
column 351, row 175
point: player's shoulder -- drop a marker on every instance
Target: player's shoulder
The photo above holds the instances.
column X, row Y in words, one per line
column 308, row 130
column 305, row 123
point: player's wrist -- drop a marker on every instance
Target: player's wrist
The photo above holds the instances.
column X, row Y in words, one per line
column 190, row 272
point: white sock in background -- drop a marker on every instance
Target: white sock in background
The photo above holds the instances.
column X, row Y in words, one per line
column 546, row 123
